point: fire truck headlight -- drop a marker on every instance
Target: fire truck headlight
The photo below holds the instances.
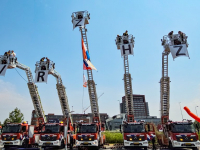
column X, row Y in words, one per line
column 176, row 143
column 56, row 142
column 191, row 139
column 181, row 139
column 140, row 139
column 197, row 143
column 90, row 139
column 4, row 139
column 15, row 141
column 130, row 139
column 81, row 139
column 12, row 139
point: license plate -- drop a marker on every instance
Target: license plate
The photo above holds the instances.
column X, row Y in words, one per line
column 136, row 143
column 8, row 142
column 85, row 143
column 48, row 142
column 187, row 143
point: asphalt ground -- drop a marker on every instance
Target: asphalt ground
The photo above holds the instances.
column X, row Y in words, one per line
column 1, row 148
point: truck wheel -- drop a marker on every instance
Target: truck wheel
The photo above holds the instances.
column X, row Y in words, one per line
column 62, row 145
column 194, row 148
column 171, row 146
column 145, row 148
column 79, row 148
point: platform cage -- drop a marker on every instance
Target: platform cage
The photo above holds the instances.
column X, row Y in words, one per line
column 128, row 39
column 80, row 15
column 10, row 61
column 174, row 39
column 45, row 65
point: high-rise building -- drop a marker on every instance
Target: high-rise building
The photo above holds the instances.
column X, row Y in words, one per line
column 140, row 106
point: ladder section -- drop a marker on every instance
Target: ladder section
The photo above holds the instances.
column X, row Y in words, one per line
column 64, row 101
column 91, row 83
column 165, row 88
column 33, row 92
column 62, row 95
column 128, row 90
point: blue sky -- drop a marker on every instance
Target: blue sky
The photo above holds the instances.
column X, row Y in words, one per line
column 38, row 28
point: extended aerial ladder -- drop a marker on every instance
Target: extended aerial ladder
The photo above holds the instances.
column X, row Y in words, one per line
column 80, row 19
column 50, row 66
column 85, row 16
column 176, row 134
column 13, row 63
column 169, row 41
column 120, row 42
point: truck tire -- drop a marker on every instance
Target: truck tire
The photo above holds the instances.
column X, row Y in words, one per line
column 194, row 148
column 79, row 148
column 145, row 148
column 62, row 145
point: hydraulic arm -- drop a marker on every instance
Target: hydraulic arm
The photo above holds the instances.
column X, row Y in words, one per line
column 13, row 63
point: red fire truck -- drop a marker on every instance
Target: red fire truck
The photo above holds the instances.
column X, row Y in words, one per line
column 19, row 135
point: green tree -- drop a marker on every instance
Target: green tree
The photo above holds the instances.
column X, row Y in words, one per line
column 7, row 120
column 15, row 116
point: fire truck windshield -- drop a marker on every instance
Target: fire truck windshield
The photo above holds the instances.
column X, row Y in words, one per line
column 133, row 128
column 182, row 128
column 89, row 128
column 51, row 128
column 11, row 128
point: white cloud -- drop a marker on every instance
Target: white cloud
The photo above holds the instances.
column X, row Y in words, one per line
column 10, row 99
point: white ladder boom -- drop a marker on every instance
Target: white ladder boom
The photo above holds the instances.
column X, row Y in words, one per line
column 128, row 90
column 33, row 91
column 91, row 84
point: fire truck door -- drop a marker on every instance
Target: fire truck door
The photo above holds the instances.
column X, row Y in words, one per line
column 31, row 131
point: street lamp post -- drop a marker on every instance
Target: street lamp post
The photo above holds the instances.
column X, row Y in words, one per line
column 181, row 110
column 196, row 110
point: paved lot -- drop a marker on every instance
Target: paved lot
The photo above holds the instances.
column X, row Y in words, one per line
column 1, row 148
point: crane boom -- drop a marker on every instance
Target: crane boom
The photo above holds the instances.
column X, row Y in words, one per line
column 31, row 86
column 165, row 89
column 169, row 42
column 49, row 65
column 80, row 19
column 91, row 84
column 128, row 90
column 33, row 91
column 126, row 43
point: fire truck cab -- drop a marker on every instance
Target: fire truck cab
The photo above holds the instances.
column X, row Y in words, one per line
column 181, row 135
column 134, row 135
column 18, row 134
column 89, row 135
column 53, row 135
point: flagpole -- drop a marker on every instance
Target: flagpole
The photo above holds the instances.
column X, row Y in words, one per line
column 83, row 95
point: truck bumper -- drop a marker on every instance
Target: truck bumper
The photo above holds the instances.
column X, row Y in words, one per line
column 185, row 144
column 15, row 143
column 49, row 143
column 87, row 143
column 135, row 143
